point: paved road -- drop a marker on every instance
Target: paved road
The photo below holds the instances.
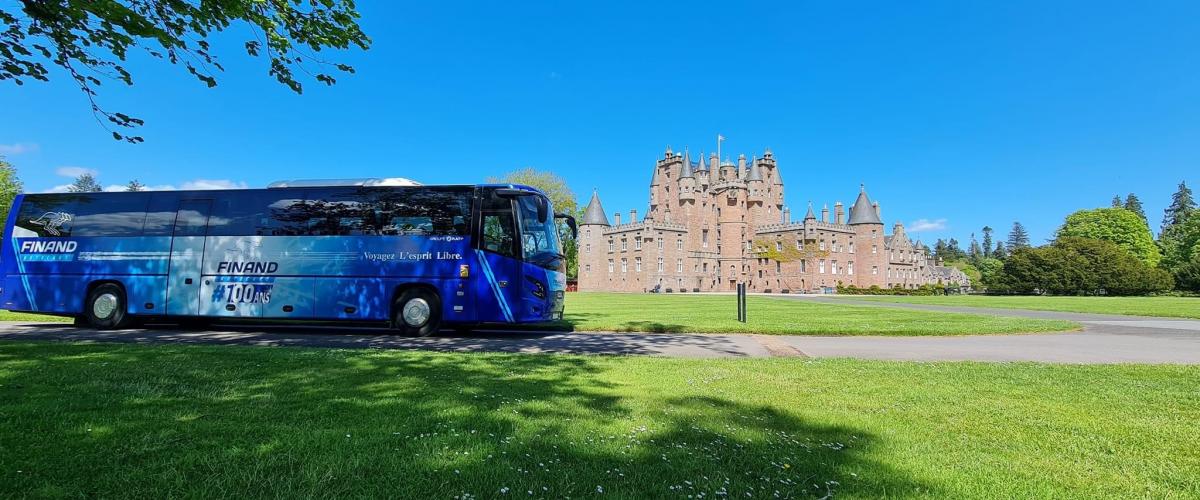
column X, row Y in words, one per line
column 1104, row 339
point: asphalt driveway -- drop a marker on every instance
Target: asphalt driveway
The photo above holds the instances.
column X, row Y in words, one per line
column 1104, row 339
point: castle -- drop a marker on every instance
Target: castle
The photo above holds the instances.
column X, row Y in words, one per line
column 714, row 224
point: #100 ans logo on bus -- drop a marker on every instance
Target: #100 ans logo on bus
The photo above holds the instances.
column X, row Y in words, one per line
column 243, row 293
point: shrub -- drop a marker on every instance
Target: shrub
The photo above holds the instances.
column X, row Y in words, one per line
column 1079, row 266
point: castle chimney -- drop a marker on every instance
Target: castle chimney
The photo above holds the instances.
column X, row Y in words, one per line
column 633, row 216
column 877, row 212
column 787, row 215
column 838, row 213
column 825, row 214
column 617, row 218
column 741, row 171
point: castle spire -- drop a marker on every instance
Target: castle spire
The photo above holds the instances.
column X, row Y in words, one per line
column 687, row 165
column 863, row 212
column 594, row 212
column 810, row 214
column 755, row 174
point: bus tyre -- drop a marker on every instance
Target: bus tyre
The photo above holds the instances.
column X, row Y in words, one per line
column 105, row 307
column 417, row 313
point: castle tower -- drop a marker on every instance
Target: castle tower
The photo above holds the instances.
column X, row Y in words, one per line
column 870, row 246
column 687, row 182
column 592, row 246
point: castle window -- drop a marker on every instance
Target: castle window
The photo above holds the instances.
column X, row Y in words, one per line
column 850, row 267
column 821, row 269
column 679, row 265
column 851, row 247
column 610, row 245
column 660, row 243
column 660, row 264
column 587, row 268
column 637, row 264
column 637, row 243
column 779, row 246
column 624, row 244
column 587, row 234
column 799, row 245
column 874, row 249
column 610, row 265
column 704, row 238
column 834, row 268
column 705, row 267
column 624, row 265
column 778, row 267
column 587, row 248
column 822, row 245
column 804, row 266
column 679, row 243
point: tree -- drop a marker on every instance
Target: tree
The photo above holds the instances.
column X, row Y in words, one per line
column 987, row 241
column 1181, row 253
column 1182, row 207
column 989, row 271
column 1115, row 225
column 1018, row 237
column 1000, row 252
column 562, row 200
column 10, row 187
column 85, row 183
column 975, row 252
column 1133, row 204
column 92, row 40
column 134, row 185
column 1079, row 266
column 1116, row 201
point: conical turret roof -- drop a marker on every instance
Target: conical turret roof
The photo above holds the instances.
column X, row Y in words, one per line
column 810, row 214
column 687, row 165
column 863, row 212
column 594, row 212
column 755, row 174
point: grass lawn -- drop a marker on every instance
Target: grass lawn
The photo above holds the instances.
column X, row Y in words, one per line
column 623, row 312
column 16, row 316
column 106, row 420
column 1168, row 307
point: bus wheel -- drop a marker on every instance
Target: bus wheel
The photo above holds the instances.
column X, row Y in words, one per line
column 417, row 313
column 105, row 307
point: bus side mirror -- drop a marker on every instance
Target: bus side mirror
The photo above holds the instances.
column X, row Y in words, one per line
column 543, row 209
column 570, row 224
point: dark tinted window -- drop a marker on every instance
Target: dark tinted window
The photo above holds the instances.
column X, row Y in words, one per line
column 110, row 214
column 160, row 214
column 46, row 215
column 498, row 226
column 193, row 217
column 420, row 210
column 241, row 213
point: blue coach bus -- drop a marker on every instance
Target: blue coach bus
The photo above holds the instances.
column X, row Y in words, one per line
column 419, row 257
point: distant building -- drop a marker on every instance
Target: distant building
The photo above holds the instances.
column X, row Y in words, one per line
column 713, row 224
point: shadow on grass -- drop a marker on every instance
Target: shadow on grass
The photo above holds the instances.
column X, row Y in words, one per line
column 86, row 420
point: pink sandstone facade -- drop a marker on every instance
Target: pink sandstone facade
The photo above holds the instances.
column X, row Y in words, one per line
column 714, row 224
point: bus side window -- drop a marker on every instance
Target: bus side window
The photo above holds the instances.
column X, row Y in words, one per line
column 115, row 214
column 160, row 215
column 499, row 231
column 46, row 215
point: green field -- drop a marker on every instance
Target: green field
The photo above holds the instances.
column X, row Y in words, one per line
column 1167, row 307
column 627, row 312
column 16, row 316
column 663, row 313
column 107, row 420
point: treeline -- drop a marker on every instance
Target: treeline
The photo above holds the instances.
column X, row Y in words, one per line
column 1104, row 251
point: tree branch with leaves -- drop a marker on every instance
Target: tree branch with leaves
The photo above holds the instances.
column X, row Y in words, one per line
column 92, row 40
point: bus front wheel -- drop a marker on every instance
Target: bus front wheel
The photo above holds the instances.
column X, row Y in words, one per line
column 417, row 312
column 105, row 307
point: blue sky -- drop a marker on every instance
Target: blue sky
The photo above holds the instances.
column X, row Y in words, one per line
column 961, row 112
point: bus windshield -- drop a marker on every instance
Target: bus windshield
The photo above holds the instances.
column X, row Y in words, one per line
column 539, row 238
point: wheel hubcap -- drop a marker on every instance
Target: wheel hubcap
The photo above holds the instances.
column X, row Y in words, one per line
column 104, row 306
column 416, row 312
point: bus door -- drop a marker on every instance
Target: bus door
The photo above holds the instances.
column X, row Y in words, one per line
column 500, row 260
column 187, row 257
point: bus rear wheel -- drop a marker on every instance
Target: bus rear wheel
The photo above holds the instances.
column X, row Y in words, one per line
column 105, row 308
column 417, row 312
